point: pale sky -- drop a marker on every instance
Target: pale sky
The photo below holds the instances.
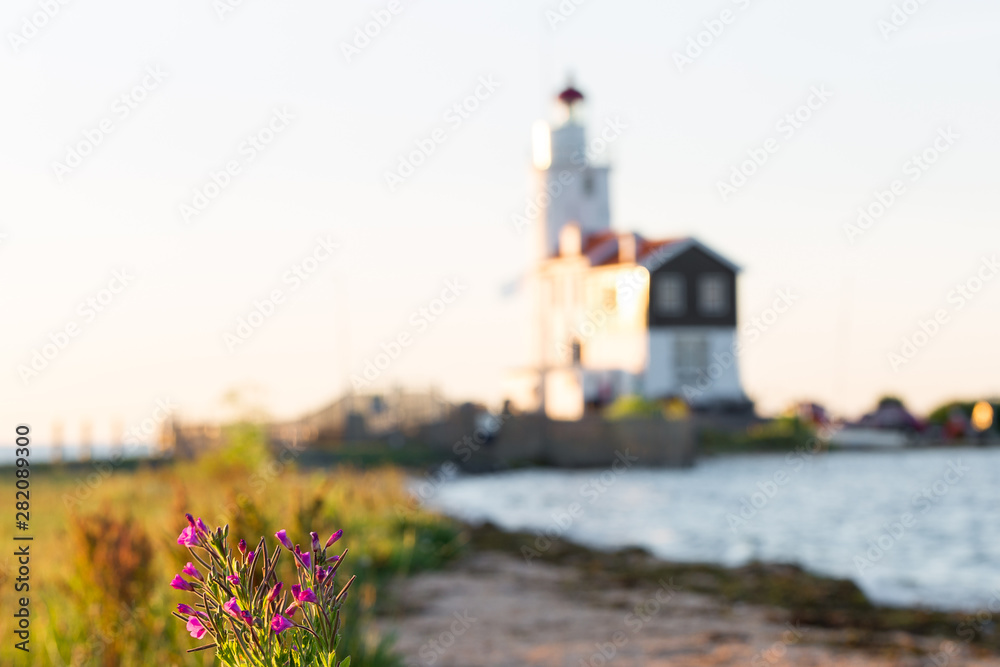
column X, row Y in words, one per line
column 342, row 125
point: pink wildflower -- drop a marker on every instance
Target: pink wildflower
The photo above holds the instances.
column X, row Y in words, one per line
column 233, row 608
column 195, row 627
column 279, row 624
column 303, row 594
column 188, row 538
column 179, row 583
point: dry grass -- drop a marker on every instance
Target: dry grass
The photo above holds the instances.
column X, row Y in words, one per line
column 103, row 553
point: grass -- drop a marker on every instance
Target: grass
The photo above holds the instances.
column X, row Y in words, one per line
column 780, row 435
column 105, row 549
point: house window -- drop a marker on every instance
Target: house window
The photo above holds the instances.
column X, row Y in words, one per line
column 713, row 294
column 670, row 294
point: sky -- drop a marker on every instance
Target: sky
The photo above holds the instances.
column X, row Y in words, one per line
column 117, row 116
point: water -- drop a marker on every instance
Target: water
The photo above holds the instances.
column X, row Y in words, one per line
column 73, row 453
column 857, row 515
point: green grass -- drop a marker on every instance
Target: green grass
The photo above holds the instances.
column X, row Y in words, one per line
column 79, row 617
column 780, row 435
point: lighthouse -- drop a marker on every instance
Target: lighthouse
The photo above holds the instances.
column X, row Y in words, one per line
column 569, row 174
column 617, row 313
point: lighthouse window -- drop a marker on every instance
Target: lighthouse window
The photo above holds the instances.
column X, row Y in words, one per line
column 588, row 184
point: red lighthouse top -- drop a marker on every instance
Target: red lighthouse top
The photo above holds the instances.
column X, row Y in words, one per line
column 570, row 96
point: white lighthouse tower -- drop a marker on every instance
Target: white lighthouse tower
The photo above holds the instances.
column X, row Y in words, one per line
column 577, row 188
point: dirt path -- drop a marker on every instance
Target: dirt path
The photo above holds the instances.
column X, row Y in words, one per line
column 495, row 609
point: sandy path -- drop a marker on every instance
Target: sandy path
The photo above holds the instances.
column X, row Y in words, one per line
column 494, row 609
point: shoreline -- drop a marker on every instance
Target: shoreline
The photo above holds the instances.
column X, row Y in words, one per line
column 739, row 612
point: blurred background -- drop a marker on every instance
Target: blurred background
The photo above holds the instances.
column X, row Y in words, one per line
column 721, row 274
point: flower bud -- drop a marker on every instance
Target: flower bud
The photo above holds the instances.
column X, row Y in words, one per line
column 275, row 592
column 180, row 584
column 283, row 538
column 191, row 571
column 301, row 559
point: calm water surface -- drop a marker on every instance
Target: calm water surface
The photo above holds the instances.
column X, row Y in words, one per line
column 917, row 527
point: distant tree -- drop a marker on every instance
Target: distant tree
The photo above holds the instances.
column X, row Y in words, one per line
column 890, row 402
column 941, row 413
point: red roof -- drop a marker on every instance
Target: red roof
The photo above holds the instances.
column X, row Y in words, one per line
column 570, row 96
column 602, row 248
column 594, row 240
column 648, row 247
